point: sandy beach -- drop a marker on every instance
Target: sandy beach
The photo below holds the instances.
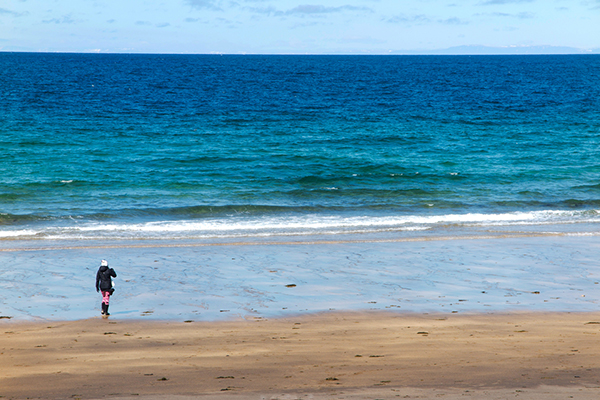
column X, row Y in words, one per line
column 322, row 356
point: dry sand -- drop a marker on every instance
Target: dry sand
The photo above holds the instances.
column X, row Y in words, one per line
column 329, row 356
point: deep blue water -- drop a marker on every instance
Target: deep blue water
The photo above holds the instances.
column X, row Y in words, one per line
column 202, row 146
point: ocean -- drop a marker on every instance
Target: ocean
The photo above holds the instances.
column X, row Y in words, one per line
column 120, row 150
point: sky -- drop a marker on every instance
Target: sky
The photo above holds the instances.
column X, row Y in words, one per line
column 297, row 26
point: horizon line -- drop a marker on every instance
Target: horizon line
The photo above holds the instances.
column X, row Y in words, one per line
column 455, row 50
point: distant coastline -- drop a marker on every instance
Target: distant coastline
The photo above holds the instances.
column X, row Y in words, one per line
column 505, row 50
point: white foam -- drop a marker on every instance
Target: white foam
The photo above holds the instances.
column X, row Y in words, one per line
column 326, row 222
column 237, row 226
column 17, row 233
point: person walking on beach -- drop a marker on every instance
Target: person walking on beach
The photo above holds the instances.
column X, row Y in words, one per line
column 104, row 284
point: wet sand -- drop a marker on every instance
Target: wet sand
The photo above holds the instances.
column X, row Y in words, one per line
column 233, row 281
column 384, row 355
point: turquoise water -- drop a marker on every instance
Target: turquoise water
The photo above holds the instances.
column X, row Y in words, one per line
column 192, row 147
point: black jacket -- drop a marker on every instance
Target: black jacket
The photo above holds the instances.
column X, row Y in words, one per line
column 103, row 278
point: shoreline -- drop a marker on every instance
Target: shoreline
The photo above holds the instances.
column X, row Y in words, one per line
column 301, row 240
column 358, row 353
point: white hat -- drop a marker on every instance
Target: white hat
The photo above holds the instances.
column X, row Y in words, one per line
column 104, row 263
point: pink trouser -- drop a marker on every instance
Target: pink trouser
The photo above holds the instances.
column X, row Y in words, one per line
column 105, row 297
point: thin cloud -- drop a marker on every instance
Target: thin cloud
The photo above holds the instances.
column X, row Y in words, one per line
column 521, row 15
column 308, row 9
column 4, row 11
column 65, row 19
column 403, row 19
column 270, row 10
column 452, row 21
column 204, row 4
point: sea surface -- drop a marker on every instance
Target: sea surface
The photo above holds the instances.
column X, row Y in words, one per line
column 118, row 150
column 211, row 147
